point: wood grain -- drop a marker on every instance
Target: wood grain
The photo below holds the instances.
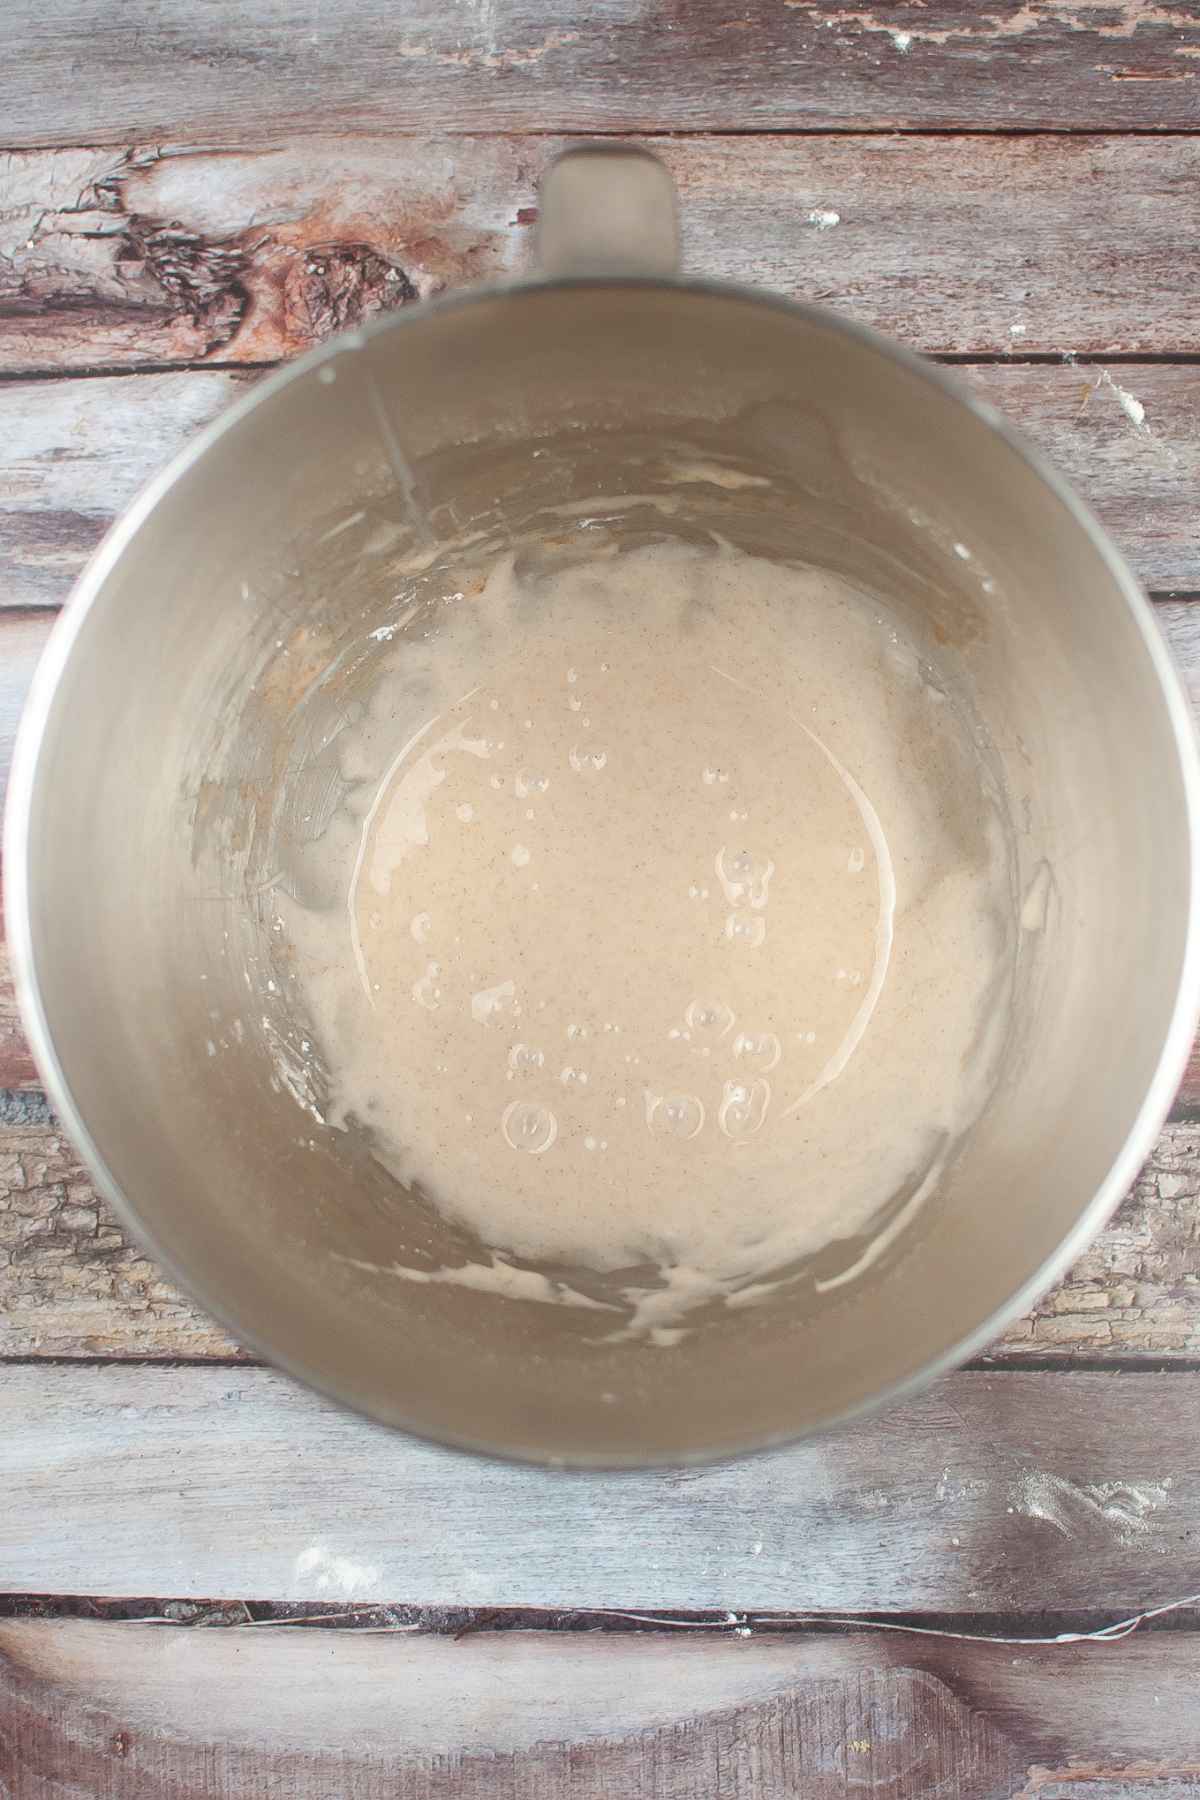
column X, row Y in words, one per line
column 136, row 1713
column 72, row 1284
column 992, row 1493
column 995, row 1491
column 228, row 73
column 74, row 452
column 70, row 1280
column 1129, row 439
column 132, row 257
column 1136, row 1290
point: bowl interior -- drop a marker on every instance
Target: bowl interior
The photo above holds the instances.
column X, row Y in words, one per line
column 187, row 749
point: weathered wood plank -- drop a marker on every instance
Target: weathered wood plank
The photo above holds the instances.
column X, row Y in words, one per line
column 74, row 452
column 229, row 73
column 1136, row 1291
column 1129, row 439
column 121, row 258
column 72, row 1284
column 991, row 1493
column 131, row 1711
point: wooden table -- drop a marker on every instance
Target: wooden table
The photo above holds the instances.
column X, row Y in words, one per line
column 216, row 1584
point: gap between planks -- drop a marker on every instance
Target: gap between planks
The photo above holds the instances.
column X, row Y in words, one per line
column 341, row 1618
column 998, row 1360
column 965, row 359
column 252, row 143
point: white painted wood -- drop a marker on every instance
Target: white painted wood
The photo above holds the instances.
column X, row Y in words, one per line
column 991, row 1493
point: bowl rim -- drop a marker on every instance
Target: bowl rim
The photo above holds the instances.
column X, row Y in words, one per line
column 1149, row 1115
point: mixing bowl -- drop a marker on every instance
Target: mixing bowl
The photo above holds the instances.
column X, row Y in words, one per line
column 180, row 745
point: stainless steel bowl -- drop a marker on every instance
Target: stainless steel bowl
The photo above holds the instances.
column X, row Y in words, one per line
column 193, row 685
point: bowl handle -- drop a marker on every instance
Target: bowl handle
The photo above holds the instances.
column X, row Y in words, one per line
column 607, row 209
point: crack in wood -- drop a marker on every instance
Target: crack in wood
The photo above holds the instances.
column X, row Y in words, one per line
column 205, row 279
column 98, row 263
